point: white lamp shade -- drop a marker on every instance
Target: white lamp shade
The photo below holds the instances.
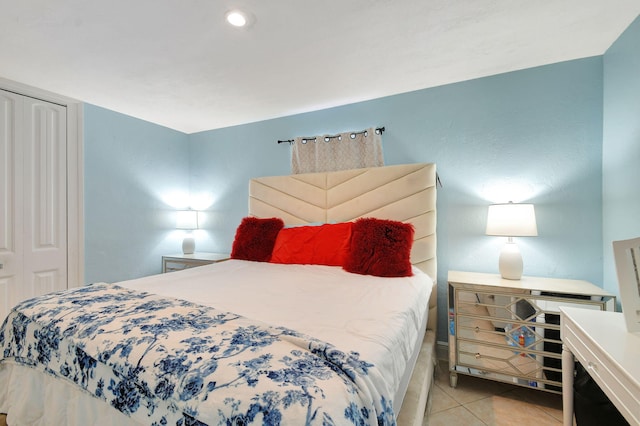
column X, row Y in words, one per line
column 512, row 220
column 187, row 219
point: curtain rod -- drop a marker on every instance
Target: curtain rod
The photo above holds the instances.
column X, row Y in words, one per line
column 379, row 130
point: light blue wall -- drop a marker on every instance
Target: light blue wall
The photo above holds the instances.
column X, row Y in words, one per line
column 130, row 167
column 565, row 137
column 621, row 146
column 532, row 135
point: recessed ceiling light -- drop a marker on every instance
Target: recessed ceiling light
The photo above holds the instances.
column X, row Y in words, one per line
column 237, row 18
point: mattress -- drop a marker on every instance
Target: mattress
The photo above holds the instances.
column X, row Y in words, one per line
column 381, row 319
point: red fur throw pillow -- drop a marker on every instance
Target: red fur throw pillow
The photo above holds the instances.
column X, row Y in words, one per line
column 380, row 247
column 255, row 238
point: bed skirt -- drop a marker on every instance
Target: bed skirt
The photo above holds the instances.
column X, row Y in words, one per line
column 416, row 400
column 80, row 406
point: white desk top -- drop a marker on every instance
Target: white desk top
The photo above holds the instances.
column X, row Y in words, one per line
column 608, row 331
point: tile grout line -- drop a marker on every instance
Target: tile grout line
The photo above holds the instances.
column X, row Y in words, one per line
column 473, row 414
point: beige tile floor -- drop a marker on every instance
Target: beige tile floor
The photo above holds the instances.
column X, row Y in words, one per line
column 481, row 402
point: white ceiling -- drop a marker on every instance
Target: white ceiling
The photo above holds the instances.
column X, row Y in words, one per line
column 177, row 63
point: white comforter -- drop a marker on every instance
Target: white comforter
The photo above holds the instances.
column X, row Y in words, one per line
column 383, row 319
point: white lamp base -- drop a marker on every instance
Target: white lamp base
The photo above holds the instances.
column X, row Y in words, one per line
column 510, row 262
column 188, row 245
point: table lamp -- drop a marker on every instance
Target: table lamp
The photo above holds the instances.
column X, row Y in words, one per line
column 188, row 220
column 511, row 220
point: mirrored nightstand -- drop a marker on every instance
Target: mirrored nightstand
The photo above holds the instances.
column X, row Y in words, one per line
column 180, row 261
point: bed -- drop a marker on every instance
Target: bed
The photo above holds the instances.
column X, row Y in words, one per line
column 327, row 339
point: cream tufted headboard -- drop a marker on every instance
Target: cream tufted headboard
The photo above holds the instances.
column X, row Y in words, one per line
column 404, row 192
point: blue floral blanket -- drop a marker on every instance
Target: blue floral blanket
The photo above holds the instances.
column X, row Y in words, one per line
column 168, row 361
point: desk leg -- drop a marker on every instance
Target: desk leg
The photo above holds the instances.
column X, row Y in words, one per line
column 568, row 367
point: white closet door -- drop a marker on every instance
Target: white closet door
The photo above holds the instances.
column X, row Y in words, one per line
column 11, row 213
column 45, row 198
column 33, row 199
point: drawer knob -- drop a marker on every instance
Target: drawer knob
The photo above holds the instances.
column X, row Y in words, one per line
column 592, row 366
column 478, row 356
column 477, row 329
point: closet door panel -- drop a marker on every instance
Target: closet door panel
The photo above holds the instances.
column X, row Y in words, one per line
column 45, row 198
column 11, row 201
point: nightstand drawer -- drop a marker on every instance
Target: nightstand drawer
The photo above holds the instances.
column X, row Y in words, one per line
column 501, row 359
column 171, row 265
column 500, row 307
column 517, row 333
column 480, row 329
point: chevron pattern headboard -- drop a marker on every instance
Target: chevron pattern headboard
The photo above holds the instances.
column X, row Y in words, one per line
column 404, row 192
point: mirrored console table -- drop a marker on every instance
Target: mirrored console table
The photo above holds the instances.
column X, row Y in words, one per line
column 509, row 330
